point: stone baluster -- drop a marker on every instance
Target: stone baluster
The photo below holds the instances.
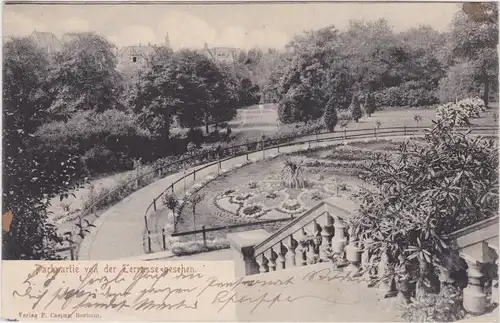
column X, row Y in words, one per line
column 311, row 256
column 281, row 256
column 475, row 299
column 317, row 241
column 291, row 255
column 339, row 241
column 263, row 261
column 272, row 260
column 403, row 284
column 326, row 237
column 385, row 283
column 353, row 253
column 303, row 250
column 444, row 277
column 366, row 264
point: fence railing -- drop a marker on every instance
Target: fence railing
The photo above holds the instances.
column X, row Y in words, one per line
column 340, row 136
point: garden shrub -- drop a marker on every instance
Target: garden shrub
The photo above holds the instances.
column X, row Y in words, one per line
column 106, row 141
column 355, row 109
column 410, row 213
column 369, row 104
column 195, row 136
column 460, row 113
column 330, row 116
column 411, row 94
column 344, row 115
column 194, row 247
column 443, row 307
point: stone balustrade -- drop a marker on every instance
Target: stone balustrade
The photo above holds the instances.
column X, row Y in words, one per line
column 321, row 235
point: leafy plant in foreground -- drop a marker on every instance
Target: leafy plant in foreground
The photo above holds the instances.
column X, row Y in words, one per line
column 424, row 194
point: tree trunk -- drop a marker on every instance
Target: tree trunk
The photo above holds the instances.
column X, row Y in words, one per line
column 486, row 92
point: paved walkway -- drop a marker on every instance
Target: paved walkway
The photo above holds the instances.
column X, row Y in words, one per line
column 119, row 230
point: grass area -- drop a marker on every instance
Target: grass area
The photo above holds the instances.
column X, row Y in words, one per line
column 262, row 172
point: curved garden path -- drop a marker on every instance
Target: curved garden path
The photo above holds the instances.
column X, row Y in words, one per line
column 119, row 230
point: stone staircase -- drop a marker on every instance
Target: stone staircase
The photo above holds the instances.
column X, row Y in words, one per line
column 309, row 240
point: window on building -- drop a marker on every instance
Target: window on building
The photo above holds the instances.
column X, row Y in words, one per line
column 134, row 59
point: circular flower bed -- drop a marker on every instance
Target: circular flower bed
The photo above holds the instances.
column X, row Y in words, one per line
column 291, row 206
column 253, row 210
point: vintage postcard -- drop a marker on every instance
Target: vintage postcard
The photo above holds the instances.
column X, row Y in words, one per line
column 250, row 161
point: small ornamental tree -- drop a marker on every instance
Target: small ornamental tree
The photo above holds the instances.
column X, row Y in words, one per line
column 369, row 104
column 355, row 109
column 194, row 200
column 429, row 191
column 330, row 116
column 171, row 201
column 292, row 173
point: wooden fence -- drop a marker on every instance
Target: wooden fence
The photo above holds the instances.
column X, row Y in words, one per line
column 266, row 145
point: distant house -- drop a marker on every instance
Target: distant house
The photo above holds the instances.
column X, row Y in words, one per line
column 221, row 54
column 47, row 41
column 68, row 37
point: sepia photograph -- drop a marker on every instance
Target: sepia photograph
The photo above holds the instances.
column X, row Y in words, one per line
column 351, row 144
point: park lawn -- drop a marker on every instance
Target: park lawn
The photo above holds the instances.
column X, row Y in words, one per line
column 209, row 215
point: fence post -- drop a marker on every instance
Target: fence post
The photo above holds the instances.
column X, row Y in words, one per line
column 219, row 166
column 149, row 241
column 194, row 175
column 172, row 187
column 247, row 155
column 278, row 148
column 204, row 236
column 72, row 248
column 375, row 132
column 163, row 239
column 137, row 177
column 345, row 134
column 405, row 130
column 146, row 222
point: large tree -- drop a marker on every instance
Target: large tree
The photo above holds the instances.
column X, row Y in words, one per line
column 155, row 96
column 475, row 40
column 32, row 174
column 303, row 82
column 84, row 76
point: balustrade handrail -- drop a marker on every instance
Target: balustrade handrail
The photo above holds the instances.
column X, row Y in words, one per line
column 299, row 223
column 339, row 135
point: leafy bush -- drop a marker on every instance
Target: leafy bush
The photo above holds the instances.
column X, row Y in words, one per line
column 443, row 307
column 459, row 114
column 344, row 115
column 195, row 136
column 194, row 247
column 330, row 116
column 369, row 104
column 428, row 192
column 106, row 141
column 355, row 109
column 410, row 94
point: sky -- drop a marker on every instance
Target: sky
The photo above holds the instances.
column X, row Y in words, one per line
column 235, row 25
